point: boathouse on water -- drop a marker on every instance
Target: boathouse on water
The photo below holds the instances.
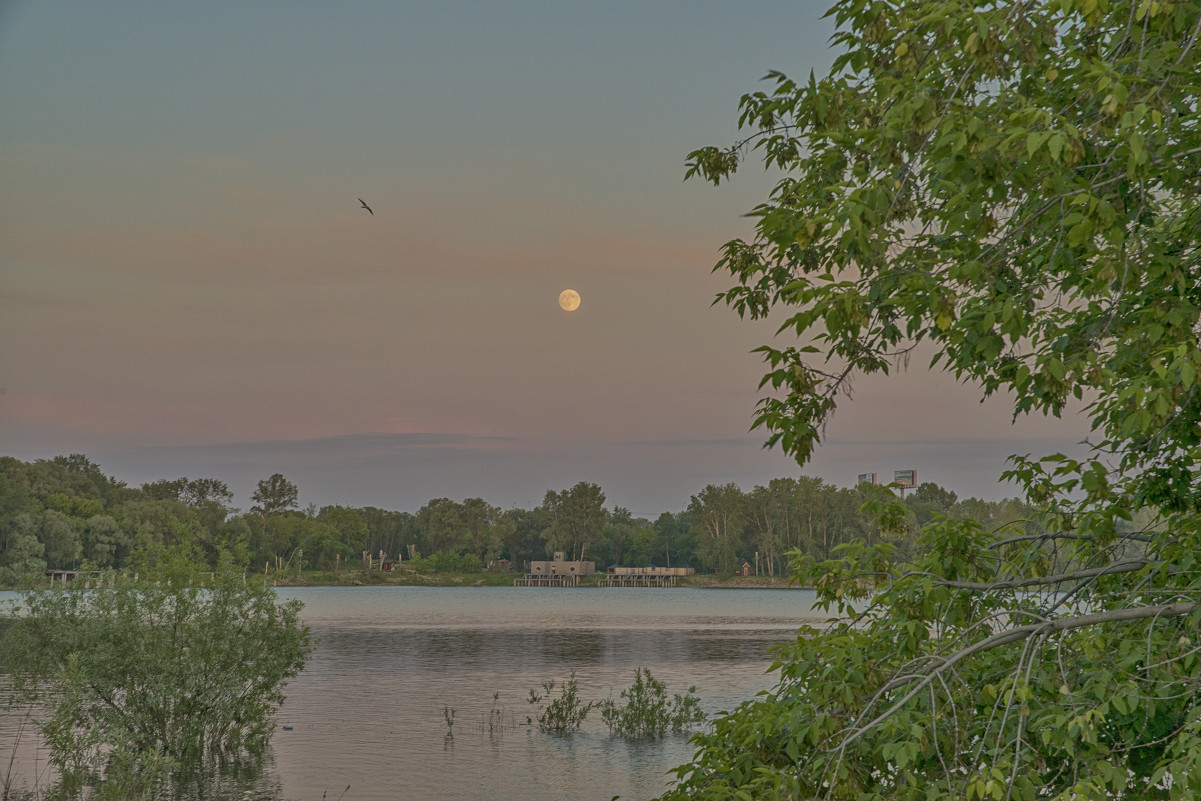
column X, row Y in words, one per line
column 617, row 576
column 558, row 572
column 560, row 566
column 616, row 570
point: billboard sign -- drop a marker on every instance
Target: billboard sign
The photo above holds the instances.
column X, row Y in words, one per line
column 867, row 478
column 905, row 479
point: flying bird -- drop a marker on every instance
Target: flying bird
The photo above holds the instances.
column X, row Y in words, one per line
column 366, row 206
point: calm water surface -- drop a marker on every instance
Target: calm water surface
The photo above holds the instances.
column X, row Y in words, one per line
column 368, row 710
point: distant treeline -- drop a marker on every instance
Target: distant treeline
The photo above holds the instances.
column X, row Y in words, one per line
column 65, row 513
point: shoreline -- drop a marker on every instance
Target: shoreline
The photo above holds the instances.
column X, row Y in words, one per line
column 406, row 578
column 412, row 579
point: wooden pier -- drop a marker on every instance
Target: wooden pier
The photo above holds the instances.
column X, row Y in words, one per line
column 636, row 580
column 548, row 580
column 63, row 576
column 568, row 580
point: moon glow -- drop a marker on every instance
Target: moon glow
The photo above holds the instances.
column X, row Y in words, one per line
column 569, row 300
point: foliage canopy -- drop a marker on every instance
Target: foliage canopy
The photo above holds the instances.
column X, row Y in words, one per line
column 66, row 514
column 1014, row 184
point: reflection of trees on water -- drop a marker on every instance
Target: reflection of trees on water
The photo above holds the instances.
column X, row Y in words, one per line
column 750, row 646
column 436, row 650
column 246, row 780
column 570, row 646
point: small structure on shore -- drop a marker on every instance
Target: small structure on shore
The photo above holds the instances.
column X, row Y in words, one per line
column 617, row 570
column 617, row 576
column 64, row 576
column 557, row 572
column 560, row 566
column 547, row 580
column 561, row 573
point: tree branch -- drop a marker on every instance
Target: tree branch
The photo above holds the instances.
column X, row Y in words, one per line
column 1067, row 536
column 1118, row 567
column 1007, row 636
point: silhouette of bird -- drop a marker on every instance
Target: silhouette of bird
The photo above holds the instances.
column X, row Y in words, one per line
column 366, row 206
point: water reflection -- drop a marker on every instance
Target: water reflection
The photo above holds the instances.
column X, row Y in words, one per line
column 368, row 710
column 251, row 781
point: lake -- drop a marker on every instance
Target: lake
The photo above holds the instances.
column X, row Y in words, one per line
column 368, row 711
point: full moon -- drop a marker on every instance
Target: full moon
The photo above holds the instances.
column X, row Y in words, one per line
column 569, row 299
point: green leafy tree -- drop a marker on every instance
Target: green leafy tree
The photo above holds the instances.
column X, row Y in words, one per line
column 522, row 535
column 103, row 538
column 767, row 517
column 442, row 525
column 78, row 475
column 504, row 531
column 60, row 536
column 155, row 524
column 14, row 492
column 203, row 491
column 274, row 495
column 73, row 505
column 176, row 668
column 212, row 500
column 643, row 545
column 192, row 492
column 482, row 521
column 1012, row 186
column 719, row 517
column 353, row 532
column 619, row 531
column 22, row 552
column 823, row 516
column 307, row 542
column 387, row 531
column 577, row 519
column 669, row 531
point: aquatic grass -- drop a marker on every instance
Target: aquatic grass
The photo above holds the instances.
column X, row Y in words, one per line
column 495, row 719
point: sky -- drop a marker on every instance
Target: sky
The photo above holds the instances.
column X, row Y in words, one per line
column 190, row 287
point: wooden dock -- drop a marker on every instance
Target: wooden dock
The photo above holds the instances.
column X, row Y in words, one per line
column 568, row 580
column 636, row 580
column 64, row 576
column 548, row 580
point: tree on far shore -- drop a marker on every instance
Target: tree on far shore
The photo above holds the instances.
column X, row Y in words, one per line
column 274, row 495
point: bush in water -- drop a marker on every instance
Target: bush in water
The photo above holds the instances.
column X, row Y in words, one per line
column 168, row 671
